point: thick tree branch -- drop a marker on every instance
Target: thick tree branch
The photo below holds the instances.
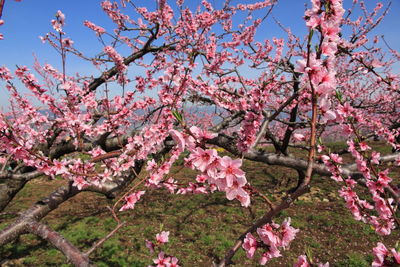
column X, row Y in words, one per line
column 229, row 144
column 1, row 7
column 74, row 255
column 36, row 212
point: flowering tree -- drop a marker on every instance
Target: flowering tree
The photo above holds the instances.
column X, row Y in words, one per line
column 100, row 133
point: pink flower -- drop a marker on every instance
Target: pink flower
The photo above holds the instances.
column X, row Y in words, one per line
column 382, row 182
column 336, row 158
column 313, row 21
column 203, row 158
column 234, row 191
column 161, row 261
column 396, row 255
column 201, row 133
column 67, row 42
column 299, row 137
column 59, row 167
column 249, row 245
column 174, row 262
column 330, row 29
column 80, row 183
column 99, row 30
column 398, row 161
column 314, row 65
column 380, row 253
column 364, row 146
column 131, row 200
column 230, row 170
column 288, row 232
column 178, row 138
column 150, row 245
column 118, row 60
column 301, row 262
column 375, row 157
column 345, row 110
column 268, row 235
column 201, row 178
column 162, row 237
column 273, row 252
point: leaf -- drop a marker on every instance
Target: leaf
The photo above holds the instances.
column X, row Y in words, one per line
column 178, row 116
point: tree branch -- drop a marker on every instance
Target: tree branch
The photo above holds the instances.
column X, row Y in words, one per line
column 74, row 255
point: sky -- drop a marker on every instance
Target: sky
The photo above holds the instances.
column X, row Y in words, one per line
column 25, row 21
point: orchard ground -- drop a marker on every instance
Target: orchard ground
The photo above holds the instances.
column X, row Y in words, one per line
column 202, row 227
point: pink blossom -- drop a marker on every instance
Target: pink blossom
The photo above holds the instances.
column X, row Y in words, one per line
column 375, row 157
column 364, row 146
column 336, row 158
column 313, row 66
column 171, row 185
column 131, row 200
column 396, row 255
column 273, row 252
column 174, row 262
column 249, row 245
column 244, row 198
column 178, row 138
column 202, row 158
column 118, row 60
column 398, row 161
column 67, row 42
column 302, row 262
column 162, row 261
column 313, row 21
column 382, row 181
column 230, row 170
column 288, row 233
column 299, row 137
column 162, row 237
column 80, row 182
column 201, row 133
column 99, row 30
column 59, row 167
column 380, row 253
column 150, row 245
column 268, row 236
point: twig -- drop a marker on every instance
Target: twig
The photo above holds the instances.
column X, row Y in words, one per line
column 101, row 241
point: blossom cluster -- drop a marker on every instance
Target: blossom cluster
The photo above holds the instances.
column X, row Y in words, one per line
column 162, row 259
column 385, row 257
column 248, row 131
column 131, row 200
column 384, row 222
column 222, row 173
column 273, row 237
column 99, row 30
column 119, row 63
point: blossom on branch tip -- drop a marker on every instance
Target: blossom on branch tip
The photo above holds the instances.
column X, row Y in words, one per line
column 383, row 256
column 131, row 200
column 162, row 237
column 249, row 245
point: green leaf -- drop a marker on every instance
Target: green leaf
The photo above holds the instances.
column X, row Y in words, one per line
column 178, row 116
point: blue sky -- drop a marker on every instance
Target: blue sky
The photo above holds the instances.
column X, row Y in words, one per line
column 28, row 19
